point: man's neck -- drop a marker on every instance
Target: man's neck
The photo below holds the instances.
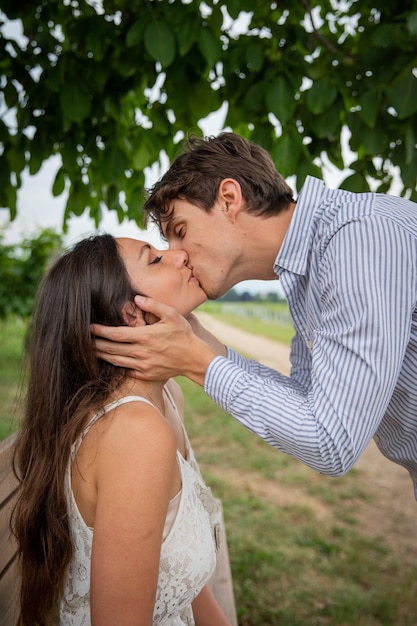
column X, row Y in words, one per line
column 261, row 241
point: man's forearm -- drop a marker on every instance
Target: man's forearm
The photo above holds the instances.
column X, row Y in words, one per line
column 200, row 358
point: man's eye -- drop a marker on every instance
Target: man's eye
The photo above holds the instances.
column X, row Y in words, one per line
column 180, row 233
column 155, row 260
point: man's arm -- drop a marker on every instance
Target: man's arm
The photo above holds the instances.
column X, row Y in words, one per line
column 327, row 419
column 162, row 350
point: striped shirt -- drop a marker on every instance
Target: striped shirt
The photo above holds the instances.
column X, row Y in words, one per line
column 348, row 268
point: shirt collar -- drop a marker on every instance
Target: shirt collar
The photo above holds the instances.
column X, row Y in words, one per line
column 293, row 254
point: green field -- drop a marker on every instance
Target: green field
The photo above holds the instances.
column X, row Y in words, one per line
column 291, row 565
column 268, row 320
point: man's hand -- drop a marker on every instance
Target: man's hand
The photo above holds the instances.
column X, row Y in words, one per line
column 158, row 351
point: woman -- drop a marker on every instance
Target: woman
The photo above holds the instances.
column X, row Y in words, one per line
column 115, row 525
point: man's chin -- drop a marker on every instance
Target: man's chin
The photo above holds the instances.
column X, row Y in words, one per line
column 215, row 294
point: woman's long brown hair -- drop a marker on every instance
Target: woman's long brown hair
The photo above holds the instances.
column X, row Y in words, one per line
column 65, row 382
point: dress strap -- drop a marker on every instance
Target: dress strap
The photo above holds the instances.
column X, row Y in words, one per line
column 188, row 448
column 110, row 407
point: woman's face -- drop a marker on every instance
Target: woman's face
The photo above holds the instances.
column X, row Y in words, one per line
column 161, row 274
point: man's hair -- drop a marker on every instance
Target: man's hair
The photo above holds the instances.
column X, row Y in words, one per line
column 195, row 176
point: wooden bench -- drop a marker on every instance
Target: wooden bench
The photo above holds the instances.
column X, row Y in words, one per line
column 221, row 582
column 8, row 564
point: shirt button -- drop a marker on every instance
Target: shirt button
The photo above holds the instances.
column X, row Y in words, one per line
column 310, row 344
column 377, row 438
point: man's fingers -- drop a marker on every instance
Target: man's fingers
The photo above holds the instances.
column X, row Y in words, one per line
column 159, row 310
column 117, row 334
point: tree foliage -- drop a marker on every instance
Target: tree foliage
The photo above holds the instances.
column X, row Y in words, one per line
column 21, row 269
column 107, row 85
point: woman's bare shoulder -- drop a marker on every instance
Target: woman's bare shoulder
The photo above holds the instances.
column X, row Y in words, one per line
column 140, row 426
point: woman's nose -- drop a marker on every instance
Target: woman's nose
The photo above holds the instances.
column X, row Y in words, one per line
column 180, row 258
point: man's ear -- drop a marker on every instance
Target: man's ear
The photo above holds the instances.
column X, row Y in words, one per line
column 230, row 196
column 132, row 315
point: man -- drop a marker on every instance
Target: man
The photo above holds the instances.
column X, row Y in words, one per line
column 348, row 266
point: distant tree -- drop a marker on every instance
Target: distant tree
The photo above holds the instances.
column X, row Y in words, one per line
column 108, row 84
column 21, row 269
column 272, row 296
column 230, row 296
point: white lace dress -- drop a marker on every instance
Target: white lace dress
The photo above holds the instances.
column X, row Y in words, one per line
column 188, row 552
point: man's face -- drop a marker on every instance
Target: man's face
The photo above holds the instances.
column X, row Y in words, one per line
column 208, row 240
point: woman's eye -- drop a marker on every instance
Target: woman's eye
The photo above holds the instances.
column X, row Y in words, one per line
column 180, row 233
column 155, row 260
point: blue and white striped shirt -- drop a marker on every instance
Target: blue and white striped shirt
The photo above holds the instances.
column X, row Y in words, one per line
column 348, row 267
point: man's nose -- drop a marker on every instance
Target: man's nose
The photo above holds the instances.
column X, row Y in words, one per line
column 174, row 244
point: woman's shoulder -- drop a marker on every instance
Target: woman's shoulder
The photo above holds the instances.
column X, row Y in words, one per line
column 137, row 424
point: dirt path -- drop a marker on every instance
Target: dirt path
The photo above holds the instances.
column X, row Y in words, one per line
column 393, row 511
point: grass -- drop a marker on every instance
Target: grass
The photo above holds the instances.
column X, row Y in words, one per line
column 12, row 333
column 291, row 565
column 250, row 321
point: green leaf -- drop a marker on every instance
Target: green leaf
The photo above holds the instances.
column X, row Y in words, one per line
column 160, row 123
column 286, row 151
column 113, row 198
column 75, row 104
column 140, row 155
column 387, row 34
column 96, row 43
column 374, row 142
column 408, row 173
column 321, row 95
column 326, row 124
column 58, row 185
column 4, row 132
column 36, row 158
column 10, row 94
column 135, row 33
column 78, row 199
column 410, row 145
column 254, row 98
column 255, row 58
column 369, row 103
column 135, row 200
column 16, row 158
column 403, row 94
column 210, row 47
column 306, row 167
column 112, row 164
column 279, row 99
column 160, row 42
column 187, row 37
column 234, row 8
column 355, row 182
column 11, row 199
column 412, row 23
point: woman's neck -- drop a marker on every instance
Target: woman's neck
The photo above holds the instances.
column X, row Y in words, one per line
column 151, row 390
